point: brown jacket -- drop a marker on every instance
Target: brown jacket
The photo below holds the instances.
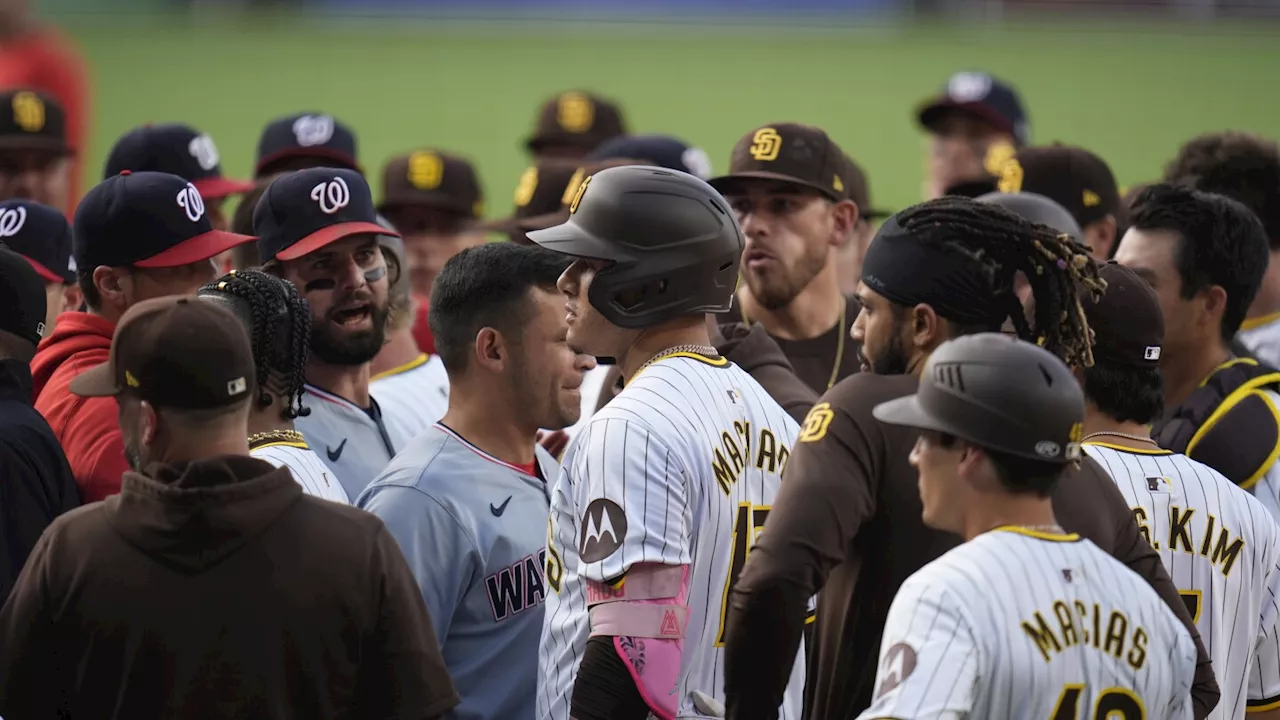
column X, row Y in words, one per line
column 216, row 589
column 847, row 522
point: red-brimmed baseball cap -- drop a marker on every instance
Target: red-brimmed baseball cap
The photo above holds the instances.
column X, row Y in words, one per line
column 305, row 210
column 148, row 220
column 305, row 135
column 176, row 149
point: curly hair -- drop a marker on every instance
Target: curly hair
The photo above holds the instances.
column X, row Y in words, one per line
column 280, row 332
column 1057, row 268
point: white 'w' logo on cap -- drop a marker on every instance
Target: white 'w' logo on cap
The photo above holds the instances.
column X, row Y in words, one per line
column 189, row 200
column 332, row 195
column 12, row 220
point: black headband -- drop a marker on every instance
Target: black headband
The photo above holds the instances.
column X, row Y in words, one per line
column 909, row 271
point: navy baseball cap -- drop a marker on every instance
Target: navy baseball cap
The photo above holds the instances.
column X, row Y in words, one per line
column 660, row 150
column 146, row 219
column 178, row 150
column 22, row 297
column 980, row 95
column 307, row 135
column 305, row 210
column 40, row 234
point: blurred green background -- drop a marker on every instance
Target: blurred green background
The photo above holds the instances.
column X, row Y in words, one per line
column 1131, row 92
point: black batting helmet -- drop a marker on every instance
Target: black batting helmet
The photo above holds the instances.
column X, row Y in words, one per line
column 673, row 244
column 1038, row 209
column 999, row 393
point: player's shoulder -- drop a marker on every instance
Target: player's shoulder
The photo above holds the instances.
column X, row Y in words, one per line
column 432, row 453
column 858, row 394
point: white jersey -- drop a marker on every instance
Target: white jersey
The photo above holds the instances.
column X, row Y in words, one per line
column 1261, row 336
column 681, row 468
column 1222, row 550
column 308, row 469
column 1023, row 624
column 413, row 396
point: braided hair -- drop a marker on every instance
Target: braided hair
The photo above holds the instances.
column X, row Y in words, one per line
column 279, row 315
column 1055, row 266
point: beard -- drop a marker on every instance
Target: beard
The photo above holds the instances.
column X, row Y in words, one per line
column 337, row 347
column 893, row 361
column 776, row 289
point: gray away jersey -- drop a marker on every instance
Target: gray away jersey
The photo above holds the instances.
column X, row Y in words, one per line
column 308, row 470
column 473, row 529
column 355, row 444
column 680, row 468
column 412, row 397
column 1018, row 624
column 1222, row 550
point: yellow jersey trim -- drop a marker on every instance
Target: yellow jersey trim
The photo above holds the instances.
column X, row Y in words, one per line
column 282, row 443
column 414, row 363
column 1262, row 706
column 1135, row 451
column 719, row 362
column 1230, row 402
column 1038, row 534
column 1251, row 323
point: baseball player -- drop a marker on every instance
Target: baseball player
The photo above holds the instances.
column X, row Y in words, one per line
column 1218, row 542
column 279, row 326
column 662, row 494
column 974, row 124
column 477, row 548
column 1023, row 620
column 410, row 386
column 42, row 235
column 846, row 523
column 37, row 161
column 302, row 141
column 1205, row 255
column 787, row 186
column 317, row 229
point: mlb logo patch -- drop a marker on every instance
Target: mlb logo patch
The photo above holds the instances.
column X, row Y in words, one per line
column 235, row 387
column 735, row 397
column 1152, row 353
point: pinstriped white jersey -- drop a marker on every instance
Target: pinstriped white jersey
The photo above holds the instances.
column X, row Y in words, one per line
column 1033, row 626
column 681, row 468
column 412, row 397
column 1262, row 337
column 308, row 470
column 1222, row 550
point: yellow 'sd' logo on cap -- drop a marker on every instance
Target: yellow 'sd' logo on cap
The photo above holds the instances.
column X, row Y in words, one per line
column 28, row 111
column 571, row 190
column 577, row 197
column 766, row 144
column 525, row 187
column 575, row 112
column 426, row 170
column 1091, row 199
column 130, row 380
column 837, row 184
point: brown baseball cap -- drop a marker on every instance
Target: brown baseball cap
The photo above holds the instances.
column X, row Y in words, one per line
column 31, row 120
column 1127, row 325
column 545, row 191
column 578, row 119
column 175, row 352
column 789, row 152
column 434, row 179
column 857, row 190
column 1071, row 176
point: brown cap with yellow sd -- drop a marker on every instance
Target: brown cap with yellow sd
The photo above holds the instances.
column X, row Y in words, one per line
column 792, row 153
column 433, row 179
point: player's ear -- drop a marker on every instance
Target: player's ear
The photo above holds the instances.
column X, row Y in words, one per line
column 925, row 328
column 845, row 216
column 490, row 350
column 147, row 422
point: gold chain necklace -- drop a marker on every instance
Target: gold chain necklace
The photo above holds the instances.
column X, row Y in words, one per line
column 263, row 438
column 1126, row 436
column 840, row 328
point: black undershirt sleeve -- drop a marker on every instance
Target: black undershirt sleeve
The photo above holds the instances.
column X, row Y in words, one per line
column 604, row 689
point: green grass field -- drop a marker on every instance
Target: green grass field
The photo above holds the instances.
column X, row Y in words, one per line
column 1130, row 92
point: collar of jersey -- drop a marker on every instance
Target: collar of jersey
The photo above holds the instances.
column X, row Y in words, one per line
column 467, row 443
column 1037, row 534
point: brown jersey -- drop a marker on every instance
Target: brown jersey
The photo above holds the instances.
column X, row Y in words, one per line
column 847, row 522
column 819, row 361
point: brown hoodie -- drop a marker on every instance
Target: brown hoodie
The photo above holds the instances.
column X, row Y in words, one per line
column 216, row 589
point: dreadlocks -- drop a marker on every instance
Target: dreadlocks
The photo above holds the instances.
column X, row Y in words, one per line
column 1003, row 243
column 280, row 331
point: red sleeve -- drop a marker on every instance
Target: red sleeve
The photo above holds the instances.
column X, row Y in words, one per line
column 95, row 449
column 422, row 329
